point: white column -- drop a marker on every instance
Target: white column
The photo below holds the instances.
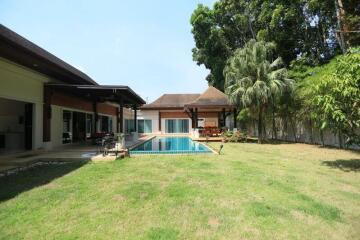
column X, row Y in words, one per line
column 38, row 126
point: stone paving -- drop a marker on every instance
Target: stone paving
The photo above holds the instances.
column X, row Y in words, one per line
column 12, row 163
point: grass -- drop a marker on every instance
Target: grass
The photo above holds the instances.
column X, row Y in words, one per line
column 285, row 191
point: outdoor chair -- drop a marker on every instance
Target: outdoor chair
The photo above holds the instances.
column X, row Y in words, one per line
column 108, row 145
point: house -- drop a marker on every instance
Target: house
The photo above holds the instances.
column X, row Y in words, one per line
column 182, row 113
column 45, row 102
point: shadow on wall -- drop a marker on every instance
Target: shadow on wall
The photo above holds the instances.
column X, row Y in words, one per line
column 13, row 185
column 350, row 165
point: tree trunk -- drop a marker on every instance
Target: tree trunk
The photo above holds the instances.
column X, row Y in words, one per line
column 293, row 126
column 340, row 14
column 260, row 128
column 311, row 132
column 274, row 133
column 322, row 138
column 341, row 145
column 264, row 127
column 286, row 128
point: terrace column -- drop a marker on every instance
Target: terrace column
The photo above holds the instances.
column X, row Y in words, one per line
column 159, row 121
column 47, row 115
column 135, row 119
column 96, row 117
column 120, row 117
column 192, row 118
column 219, row 120
column 196, row 118
column 235, row 115
column 224, row 117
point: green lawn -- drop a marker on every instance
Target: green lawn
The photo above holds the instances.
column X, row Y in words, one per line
column 285, row 191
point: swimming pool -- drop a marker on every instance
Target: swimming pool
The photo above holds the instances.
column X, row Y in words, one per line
column 170, row 145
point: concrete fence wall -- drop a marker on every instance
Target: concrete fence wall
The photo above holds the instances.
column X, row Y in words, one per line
column 301, row 132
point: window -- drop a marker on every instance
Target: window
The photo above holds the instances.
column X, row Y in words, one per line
column 104, row 120
column 129, row 125
column 176, row 125
column 145, row 126
column 66, row 121
column 67, row 127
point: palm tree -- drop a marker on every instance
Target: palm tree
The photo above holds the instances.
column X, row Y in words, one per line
column 252, row 80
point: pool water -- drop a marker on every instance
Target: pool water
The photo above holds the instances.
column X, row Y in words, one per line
column 170, row 145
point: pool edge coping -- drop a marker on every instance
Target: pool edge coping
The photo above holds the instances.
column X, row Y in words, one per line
column 154, row 136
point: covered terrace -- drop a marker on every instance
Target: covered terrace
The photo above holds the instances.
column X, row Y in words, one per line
column 91, row 98
column 209, row 113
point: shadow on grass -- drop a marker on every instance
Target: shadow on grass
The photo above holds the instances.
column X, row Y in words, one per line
column 13, row 185
column 350, row 165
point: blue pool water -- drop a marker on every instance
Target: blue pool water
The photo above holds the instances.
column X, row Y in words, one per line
column 170, row 145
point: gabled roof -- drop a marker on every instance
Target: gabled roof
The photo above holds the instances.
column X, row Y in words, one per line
column 212, row 97
column 168, row 101
column 24, row 52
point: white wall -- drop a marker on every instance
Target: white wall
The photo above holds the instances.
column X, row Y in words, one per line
column 152, row 115
column 10, row 113
column 22, row 84
column 56, row 125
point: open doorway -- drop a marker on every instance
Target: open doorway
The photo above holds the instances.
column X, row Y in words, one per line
column 16, row 126
column 79, row 126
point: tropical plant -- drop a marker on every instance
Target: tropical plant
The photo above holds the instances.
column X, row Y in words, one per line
column 337, row 98
column 253, row 80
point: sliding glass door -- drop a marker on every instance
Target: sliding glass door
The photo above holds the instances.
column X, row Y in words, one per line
column 176, row 125
column 144, row 126
column 129, row 126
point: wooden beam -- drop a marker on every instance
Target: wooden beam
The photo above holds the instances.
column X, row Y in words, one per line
column 96, row 117
column 120, row 116
column 224, row 117
column 196, row 118
column 192, row 118
column 135, row 119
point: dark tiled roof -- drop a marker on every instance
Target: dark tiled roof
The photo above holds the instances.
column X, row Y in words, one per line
column 102, row 93
column 171, row 101
column 211, row 97
column 23, row 51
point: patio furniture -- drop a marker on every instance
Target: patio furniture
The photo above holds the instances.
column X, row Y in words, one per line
column 210, row 131
column 66, row 138
column 109, row 145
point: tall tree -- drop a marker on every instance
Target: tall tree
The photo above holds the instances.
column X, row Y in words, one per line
column 253, row 79
column 300, row 28
column 217, row 33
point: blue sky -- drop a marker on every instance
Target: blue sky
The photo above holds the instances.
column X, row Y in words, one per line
column 143, row 44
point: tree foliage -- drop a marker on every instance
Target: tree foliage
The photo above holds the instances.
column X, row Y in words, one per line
column 336, row 98
column 253, row 79
column 299, row 28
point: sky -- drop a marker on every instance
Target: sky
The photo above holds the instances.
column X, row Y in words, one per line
column 143, row 44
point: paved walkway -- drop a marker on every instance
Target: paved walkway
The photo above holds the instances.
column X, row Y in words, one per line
column 66, row 153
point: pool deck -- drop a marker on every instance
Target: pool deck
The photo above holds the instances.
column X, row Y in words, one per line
column 209, row 139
